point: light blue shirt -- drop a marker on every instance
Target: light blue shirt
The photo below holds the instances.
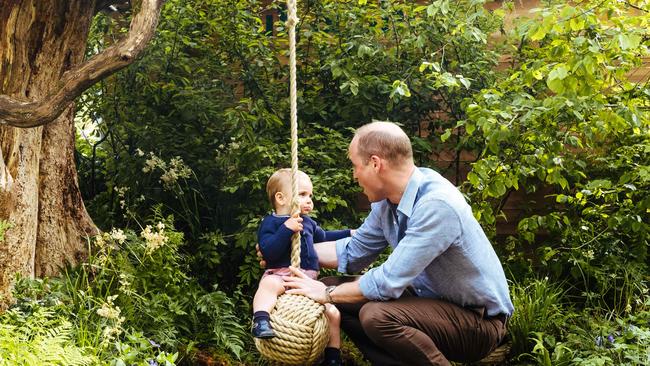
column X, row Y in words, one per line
column 438, row 248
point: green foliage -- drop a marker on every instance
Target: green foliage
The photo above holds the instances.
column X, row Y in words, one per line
column 197, row 126
column 211, row 92
column 567, row 130
column 224, row 328
column 621, row 341
column 151, row 291
column 547, row 330
column 538, row 310
column 595, row 340
column 131, row 303
column 31, row 334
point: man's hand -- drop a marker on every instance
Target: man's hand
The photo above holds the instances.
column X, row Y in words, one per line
column 294, row 224
column 300, row 284
column 259, row 256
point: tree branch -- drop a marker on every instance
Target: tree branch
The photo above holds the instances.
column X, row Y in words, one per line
column 74, row 82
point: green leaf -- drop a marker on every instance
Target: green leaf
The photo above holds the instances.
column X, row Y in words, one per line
column 401, row 88
column 473, row 178
column 628, row 41
column 466, row 83
column 555, row 80
column 470, row 128
column 364, row 50
column 432, row 10
column 560, row 71
column 538, row 34
column 448, row 80
column 445, row 136
column 577, row 24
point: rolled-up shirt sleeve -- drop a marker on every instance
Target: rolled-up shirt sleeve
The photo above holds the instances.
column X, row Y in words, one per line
column 432, row 228
column 359, row 251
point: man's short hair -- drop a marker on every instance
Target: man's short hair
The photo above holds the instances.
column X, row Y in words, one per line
column 384, row 139
column 280, row 180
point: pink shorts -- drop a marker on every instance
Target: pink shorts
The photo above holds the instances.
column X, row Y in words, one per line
column 284, row 271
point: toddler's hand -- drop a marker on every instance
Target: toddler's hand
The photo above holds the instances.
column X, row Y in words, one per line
column 259, row 256
column 294, row 224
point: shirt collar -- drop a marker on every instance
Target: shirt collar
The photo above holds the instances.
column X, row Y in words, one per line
column 407, row 201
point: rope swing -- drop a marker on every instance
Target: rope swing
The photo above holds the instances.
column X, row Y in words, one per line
column 300, row 324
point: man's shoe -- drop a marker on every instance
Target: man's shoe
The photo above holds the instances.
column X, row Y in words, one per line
column 334, row 362
column 262, row 329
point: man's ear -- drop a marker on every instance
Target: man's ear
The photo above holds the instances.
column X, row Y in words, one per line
column 376, row 162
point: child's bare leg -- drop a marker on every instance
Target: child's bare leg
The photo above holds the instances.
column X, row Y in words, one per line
column 334, row 318
column 267, row 293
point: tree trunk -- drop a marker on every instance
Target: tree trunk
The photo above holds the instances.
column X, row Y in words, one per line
column 39, row 192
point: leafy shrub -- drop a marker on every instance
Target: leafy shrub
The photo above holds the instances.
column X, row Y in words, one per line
column 211, row 90
column 546, row 330
column 538, row 310
column 31, row 334
column 568, row 131
column 131, row 303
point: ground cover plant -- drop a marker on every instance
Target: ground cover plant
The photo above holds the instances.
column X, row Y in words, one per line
column 173, row 154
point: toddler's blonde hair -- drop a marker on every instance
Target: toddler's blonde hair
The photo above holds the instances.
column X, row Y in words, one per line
column 280, row 181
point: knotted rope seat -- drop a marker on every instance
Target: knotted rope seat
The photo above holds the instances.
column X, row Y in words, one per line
column 300, row 324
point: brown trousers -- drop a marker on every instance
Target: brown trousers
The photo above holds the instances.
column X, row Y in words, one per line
column 420, row 331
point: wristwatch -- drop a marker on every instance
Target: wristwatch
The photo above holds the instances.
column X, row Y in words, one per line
column 328, row 294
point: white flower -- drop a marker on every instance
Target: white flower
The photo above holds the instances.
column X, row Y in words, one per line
column 153, row 162
column 154, row 240
column 102, row 259
column 125, row 283
column 139, row 152
column 169, row 178
column 177, row 169
column 121, row 191
column 99, row 241
column 109, row 311
column 118, row 235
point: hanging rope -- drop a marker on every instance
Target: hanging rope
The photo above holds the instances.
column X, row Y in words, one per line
column 292, row 20
column 300, row 324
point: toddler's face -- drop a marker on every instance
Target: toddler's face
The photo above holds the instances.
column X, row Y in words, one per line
column 305, row 191
column 305, row 188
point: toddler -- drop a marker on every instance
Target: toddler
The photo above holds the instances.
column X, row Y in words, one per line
column 274, row 237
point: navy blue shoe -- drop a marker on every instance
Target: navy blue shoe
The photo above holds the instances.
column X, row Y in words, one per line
column 333, row 362
column 262, row 329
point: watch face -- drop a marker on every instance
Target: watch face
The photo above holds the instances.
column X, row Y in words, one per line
column 328, row 291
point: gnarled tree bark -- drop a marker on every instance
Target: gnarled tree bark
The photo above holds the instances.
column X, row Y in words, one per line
column 42, row 46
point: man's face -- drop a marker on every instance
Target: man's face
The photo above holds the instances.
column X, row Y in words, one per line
column 364, row 173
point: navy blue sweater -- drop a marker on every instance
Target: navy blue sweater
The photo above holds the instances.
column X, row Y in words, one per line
column 275, row 241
